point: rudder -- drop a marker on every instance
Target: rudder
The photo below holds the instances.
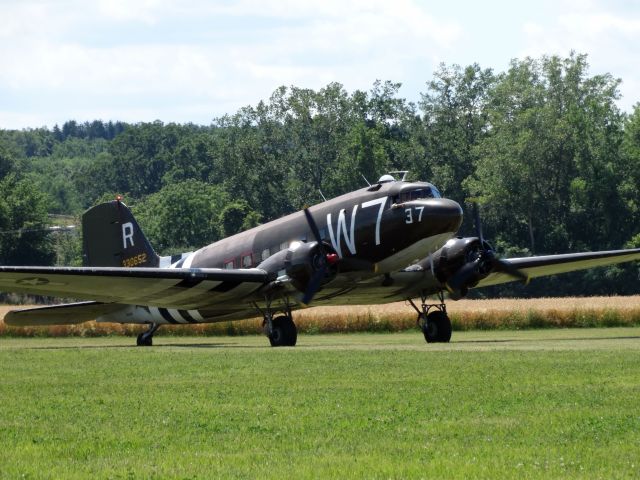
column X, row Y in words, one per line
column 111, row 237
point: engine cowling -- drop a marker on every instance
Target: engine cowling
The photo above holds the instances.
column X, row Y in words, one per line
column 302, row 261
column 461, row 263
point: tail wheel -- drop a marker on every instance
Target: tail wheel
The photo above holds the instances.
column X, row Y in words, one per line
column 283, row 332
column 437, row 327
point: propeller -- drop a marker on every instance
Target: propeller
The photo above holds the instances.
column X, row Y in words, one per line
column 497, row 264
column 485, row 262
column 323, row 262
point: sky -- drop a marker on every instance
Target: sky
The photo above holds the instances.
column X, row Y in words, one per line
column 192, row 61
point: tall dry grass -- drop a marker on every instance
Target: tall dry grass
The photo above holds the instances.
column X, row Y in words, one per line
column 465, row 315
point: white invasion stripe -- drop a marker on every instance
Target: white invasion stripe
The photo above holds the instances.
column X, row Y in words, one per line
column 156, row 315
column 165, row 262
column 176, row 316
column 189, row 260
column 182, row 256
column 193, row 292
column 196, row 314
column 154, row 287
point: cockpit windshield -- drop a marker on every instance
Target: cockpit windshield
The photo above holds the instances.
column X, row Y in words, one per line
column 419, row 193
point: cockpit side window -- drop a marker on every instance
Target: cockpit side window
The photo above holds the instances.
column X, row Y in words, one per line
column 419, row 193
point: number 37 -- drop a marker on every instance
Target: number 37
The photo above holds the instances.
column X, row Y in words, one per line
column 409, row 214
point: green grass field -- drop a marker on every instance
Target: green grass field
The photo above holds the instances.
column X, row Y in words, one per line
column 499, row 404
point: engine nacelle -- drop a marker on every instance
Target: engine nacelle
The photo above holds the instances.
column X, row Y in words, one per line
column 301, row 261
column 460, row 258
column 453, row 255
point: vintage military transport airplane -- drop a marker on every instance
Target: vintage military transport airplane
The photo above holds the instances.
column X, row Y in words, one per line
column 395, row 240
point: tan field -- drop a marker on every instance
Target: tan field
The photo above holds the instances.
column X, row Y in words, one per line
column 465, row 315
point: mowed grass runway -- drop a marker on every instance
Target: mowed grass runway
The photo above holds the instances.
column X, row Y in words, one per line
column 498, row 404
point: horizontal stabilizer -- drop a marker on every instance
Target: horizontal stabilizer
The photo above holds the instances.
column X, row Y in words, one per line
column 65, row 314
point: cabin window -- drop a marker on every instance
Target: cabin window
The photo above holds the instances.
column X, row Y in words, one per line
column 229, row 264
column 247, row 261
column 266, row 253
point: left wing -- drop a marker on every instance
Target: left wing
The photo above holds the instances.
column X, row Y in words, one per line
column 183, row 288
column 545, row 265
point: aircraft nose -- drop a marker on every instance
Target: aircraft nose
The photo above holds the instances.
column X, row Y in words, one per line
column 446, row 213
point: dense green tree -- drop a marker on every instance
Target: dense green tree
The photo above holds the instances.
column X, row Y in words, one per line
column 547, row 169
column 6, row 161
column 236, row 217
column 629, row 172
column 455, row 121
column 182, row 216
column 91, row 180
column 191, row 159
column 24, row 239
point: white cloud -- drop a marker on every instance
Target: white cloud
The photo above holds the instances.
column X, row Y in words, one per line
column 51, row 50
column 191, row 61
column 146, row 11
column 609, row 37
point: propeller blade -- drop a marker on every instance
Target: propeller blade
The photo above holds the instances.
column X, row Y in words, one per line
column 505, row 267
column 478, row 223
column 313, row 227
column 313, row 286
column 462, row 277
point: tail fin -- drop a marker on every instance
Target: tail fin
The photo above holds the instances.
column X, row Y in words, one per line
column 111, row 237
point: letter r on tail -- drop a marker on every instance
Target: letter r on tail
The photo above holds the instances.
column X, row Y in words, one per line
column 127, row 234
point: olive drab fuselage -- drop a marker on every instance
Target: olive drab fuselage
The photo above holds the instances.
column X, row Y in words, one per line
column 374, row 224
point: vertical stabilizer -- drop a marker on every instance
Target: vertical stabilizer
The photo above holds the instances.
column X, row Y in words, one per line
column 111, row 237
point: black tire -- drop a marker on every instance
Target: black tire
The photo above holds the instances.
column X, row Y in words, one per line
column 437, row 328
column 144, row 340
column 284, row 332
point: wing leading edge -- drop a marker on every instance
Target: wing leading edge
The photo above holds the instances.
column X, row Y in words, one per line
column 553, row 264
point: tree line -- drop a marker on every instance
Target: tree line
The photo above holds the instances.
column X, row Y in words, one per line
column 542, row 147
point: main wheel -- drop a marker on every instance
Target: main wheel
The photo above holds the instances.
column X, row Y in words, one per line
column 437, row 327
column 283, row 332
column 144, row 340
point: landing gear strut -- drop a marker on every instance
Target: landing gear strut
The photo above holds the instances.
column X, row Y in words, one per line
column 433, row 320
column 280, row 330
column 145, row 339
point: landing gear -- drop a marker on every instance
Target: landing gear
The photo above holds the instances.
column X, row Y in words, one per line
column 433, row 320
column 436, row 327
column 145, row 339
column 280, row 330
column 283, row 332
